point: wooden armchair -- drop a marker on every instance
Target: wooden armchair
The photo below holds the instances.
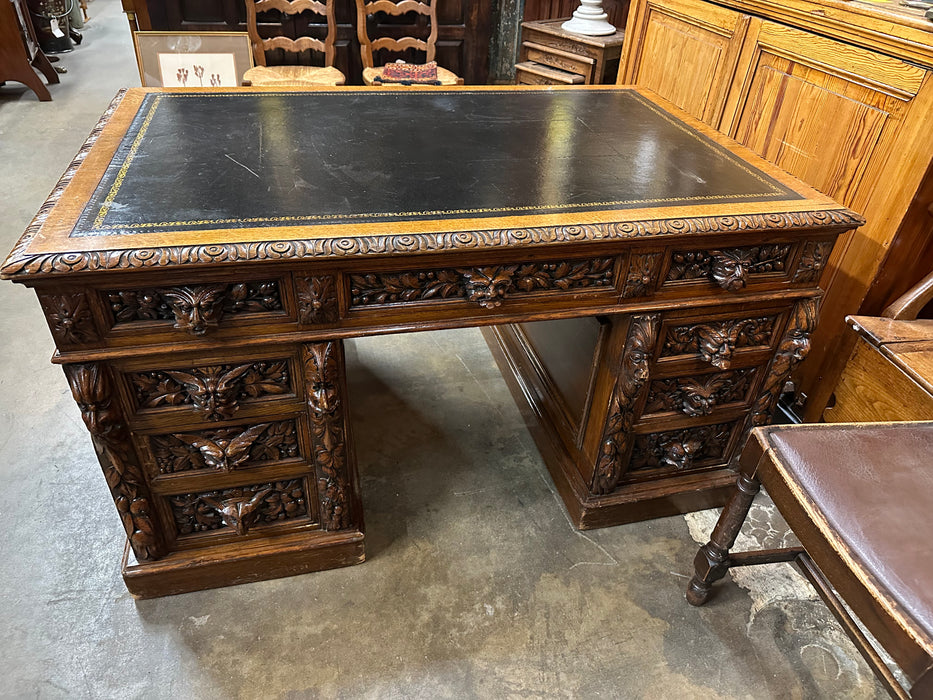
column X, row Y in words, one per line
column 292, row 75
column 372, row 75
column 859, row 497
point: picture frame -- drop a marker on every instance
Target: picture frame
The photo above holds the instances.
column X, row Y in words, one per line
column 192, row 59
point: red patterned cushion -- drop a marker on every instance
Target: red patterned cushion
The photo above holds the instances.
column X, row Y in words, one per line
column 409, row 74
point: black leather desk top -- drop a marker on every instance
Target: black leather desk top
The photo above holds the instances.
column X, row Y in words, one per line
column 207, row 161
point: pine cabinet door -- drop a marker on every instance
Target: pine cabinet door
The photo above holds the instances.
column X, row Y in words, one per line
column 845, row 120
column 687, row 52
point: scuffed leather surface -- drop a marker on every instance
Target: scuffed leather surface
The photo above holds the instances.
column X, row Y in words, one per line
column 230, row 160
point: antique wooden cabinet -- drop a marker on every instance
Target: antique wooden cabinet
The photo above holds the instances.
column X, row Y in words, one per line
column 837, row 93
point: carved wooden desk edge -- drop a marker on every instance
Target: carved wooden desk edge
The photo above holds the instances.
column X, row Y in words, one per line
column 21, row 266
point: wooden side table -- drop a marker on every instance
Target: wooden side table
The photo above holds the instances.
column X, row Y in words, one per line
column 551, row 56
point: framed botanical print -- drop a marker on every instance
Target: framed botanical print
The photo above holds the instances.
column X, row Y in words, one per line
column 188, row 59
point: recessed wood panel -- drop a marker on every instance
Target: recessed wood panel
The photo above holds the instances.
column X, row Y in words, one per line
column 567, row 350
column 687, row 53
column 786, row 116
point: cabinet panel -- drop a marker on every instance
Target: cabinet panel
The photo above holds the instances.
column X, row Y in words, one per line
column 687, row 53
column 845, row 120
column 819, row 108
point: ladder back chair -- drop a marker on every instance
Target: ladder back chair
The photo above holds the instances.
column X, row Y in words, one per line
column 292, row 75
column 373, row 75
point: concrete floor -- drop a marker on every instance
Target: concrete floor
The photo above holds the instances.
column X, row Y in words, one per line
column 476, row 583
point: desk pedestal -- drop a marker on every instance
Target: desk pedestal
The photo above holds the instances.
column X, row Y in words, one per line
column 629, row 429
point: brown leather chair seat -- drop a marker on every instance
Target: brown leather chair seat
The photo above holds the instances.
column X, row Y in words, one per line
column 859, row 497
column 873, row 486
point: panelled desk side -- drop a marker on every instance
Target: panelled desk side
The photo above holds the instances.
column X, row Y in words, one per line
column 206, row 353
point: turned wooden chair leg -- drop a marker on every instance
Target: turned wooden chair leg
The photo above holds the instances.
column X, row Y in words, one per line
column 712, row 560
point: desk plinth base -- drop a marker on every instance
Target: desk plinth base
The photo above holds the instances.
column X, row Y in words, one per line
column 225, row 565
column 533, row 391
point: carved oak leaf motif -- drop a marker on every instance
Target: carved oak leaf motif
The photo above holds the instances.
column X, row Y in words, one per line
column 180, row 452
column 488, row 285
column 225, row 453
column 265, row 378
column 196, row 309
column 212, row 389
column 138, row 305
column 698, row 396
column 69, row 318
column 155, row 389
column 681, row 449
column 239, row 513
column 252, row 297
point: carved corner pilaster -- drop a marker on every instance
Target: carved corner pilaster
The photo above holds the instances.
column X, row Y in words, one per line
column 93, row 390
column 323, row 367
column 794, row 347
column 616, row 442
column 317, row 300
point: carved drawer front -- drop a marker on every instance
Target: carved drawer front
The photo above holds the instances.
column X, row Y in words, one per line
column 486, row 286
column 719, row 340
column 692, row 448
column 735, row 268
column 211, row 392
column 253, row 509
column 700, row 395
column 195, row 309
column 226, row 449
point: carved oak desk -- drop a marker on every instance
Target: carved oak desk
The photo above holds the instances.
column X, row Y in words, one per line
column 205, row 254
